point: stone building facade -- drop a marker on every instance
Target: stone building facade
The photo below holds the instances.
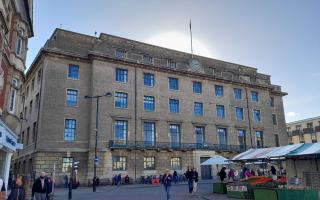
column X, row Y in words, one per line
column 15, row 30
column 168, row 109
column 304, row 131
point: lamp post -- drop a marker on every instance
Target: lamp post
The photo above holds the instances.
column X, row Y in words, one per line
column 97, row 97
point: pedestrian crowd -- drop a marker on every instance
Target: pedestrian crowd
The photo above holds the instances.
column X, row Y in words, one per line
column 41, row 189
column 191, row 175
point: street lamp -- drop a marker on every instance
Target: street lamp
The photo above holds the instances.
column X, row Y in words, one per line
column 97, row 97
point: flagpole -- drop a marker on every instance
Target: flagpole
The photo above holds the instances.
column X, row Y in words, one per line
column 191, row 39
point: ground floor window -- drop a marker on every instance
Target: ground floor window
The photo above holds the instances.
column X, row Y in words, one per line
column 67, row 164
column 149, row 163
column 119, row 163
column 175, row 163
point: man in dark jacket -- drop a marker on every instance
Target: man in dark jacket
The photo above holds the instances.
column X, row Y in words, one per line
column 41, row 187
column 189, row 175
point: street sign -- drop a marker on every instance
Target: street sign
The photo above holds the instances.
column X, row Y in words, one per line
column 96, row 161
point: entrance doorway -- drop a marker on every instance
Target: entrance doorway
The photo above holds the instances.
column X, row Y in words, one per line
column 205, row 169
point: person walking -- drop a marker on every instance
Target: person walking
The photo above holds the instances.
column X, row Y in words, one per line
column 231, row 175
column 2, row 190
column 40, row 188
column 195, row 179
column 167, row 179
column 119, row 179
column 273, row 172
column 223, row 174
column 17, row 191
column 189, row 175
column 175, row 177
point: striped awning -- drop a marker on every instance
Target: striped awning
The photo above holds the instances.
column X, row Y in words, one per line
column 268, row 153
column 306, row 149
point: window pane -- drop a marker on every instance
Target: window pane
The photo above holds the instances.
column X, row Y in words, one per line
column 147, row 59
column 120, row 131
column 69, row 130
column 274, row 119
column 119, row 163
column 198, row 109
column 148, row 103
column 239, row 113
column 171, row 64
column 219, row 90
column 197, row 87
column 272, row 101
column 254, row 96
column 72, row 96
column 148, row 79
column 120, row 53
column 149, row 163
column 121, row 75
column 256, row 115
column 67, row 164
column 174, row 105
column 237, row 93
column 199, row 136
column 173, row 83
column 259, row 136
column 121, row 100
column 12, row 99
column 175, row 163
column 73, row 72
column 175, row 135
column 222, row 134
column 220, row 111
column 242, row 138
column 149, row 133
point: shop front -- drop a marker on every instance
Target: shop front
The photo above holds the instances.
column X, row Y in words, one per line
column 8, row 145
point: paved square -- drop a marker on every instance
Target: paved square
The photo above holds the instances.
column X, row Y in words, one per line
column 140, row 192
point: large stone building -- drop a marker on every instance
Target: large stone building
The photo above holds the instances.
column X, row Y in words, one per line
column 304, row 131
column 168, row 109
column 15, row 29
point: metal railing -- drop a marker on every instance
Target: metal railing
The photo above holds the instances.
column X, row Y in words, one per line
column 308, row 130
column 123, row 144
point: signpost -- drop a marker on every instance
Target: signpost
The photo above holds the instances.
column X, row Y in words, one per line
column 75, row 166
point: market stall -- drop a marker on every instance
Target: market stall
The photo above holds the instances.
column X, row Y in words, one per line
column 218, row 187
column 8, row 145
column 300, row 159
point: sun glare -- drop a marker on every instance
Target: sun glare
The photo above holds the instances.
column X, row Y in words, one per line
column 179, row 41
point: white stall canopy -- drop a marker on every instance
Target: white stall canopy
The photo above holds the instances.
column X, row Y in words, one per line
column 217, row 160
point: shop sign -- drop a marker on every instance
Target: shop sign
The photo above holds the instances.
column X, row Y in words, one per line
column 237, row 188
column 7, row 139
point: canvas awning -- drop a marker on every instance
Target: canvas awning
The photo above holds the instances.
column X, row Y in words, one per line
column 216, row 160
column 306, row 149
column 267, row 153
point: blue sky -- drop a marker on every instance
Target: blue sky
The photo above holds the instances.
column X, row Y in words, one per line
column 280, row 38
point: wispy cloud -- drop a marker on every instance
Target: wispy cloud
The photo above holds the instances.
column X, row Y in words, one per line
column 292, row 114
